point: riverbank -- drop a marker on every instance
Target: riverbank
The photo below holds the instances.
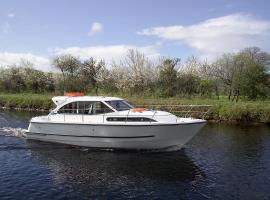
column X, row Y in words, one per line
column 221, row 109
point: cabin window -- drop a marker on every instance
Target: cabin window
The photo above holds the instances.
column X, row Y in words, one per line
column 120, row 105
column 130, row 119
column 85, row 107
column 69, row 108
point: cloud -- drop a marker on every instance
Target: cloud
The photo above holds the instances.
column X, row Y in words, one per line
column 108, row 53
column 95, row 28
column 217, row 35
column 39, row 62
column 11, row 15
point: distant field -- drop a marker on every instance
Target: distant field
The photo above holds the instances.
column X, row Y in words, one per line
column 222, row 109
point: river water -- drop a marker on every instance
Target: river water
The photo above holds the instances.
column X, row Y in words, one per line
column 221, row 162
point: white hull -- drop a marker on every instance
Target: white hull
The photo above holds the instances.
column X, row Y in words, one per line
column 122, row 136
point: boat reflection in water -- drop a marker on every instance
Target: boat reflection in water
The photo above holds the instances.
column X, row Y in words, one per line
column 115, row 174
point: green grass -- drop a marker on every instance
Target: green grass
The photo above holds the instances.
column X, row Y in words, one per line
column 26, row 101
column 222, row 108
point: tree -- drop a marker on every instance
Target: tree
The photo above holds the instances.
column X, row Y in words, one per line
column 257, row 55
column 38, row 81
column 69, row 67
column 93, row 73
column 235, row 71
column 168, row 76
column 224, row 70
column 187, row 83
column 13, row 79
column 119, row 76
column 207, row 87
column 142, row 73
column 107, row 81
column 134, row 73
column 255, row 80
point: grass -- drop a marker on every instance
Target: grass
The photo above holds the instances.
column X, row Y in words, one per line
column 26, row 101
column 222, row 108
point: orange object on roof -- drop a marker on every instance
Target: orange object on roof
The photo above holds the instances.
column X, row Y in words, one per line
column 138, row 110
column 74, row 94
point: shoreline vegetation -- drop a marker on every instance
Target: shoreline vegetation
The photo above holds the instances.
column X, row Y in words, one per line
column 222, row 110
column 236, row 85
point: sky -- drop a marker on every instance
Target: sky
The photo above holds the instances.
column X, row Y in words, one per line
column 36, row 30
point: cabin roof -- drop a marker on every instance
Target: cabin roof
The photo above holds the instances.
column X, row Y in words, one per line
column 61, row 99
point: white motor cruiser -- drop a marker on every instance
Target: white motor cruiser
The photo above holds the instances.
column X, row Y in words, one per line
column 110, row 122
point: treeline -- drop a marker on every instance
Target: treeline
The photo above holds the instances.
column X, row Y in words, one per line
column 24, row 78
column 244, row 74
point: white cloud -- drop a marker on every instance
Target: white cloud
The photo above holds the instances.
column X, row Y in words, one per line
column 11, row 15
column 95, row 28
column 108, row 53
column 39, row 62
column 218, row 35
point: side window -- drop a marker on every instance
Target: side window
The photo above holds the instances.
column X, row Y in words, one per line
column 91, row 108
column 101, row 108
column 86, row 107
column 69, row 108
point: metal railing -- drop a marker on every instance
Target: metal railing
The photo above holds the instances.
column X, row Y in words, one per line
column 104, row 116
column 186, row 111
column 198, row 111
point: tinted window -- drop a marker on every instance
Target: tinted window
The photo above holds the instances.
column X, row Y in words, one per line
column 100, row 108
column 120, row 105
column 69, row 108
column 130, row 119
column 85, row 107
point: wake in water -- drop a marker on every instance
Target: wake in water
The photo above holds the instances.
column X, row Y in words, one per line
column 16, row 132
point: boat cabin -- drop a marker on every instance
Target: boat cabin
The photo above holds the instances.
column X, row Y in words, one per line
column 105, row 109
column 90, row 105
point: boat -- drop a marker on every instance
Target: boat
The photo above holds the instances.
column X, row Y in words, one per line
column 110, row 123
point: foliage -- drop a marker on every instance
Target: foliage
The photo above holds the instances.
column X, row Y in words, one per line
column 207, row 87
column 168, row 76
column 92, row 73
column 134, row 74
column 255, row 82
column 237, row 75
column 243, row 73
column 69, row 67
column 187, row 84
column 222, row 110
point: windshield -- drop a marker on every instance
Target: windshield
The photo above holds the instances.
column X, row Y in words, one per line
column 120, row 105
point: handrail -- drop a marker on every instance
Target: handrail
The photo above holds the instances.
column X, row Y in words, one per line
column 153, row 115
column 189, row 111
column 184, row 111
column 127, row 116
column 181, row 105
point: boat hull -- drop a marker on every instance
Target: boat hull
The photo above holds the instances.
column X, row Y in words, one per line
column 156, row 136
